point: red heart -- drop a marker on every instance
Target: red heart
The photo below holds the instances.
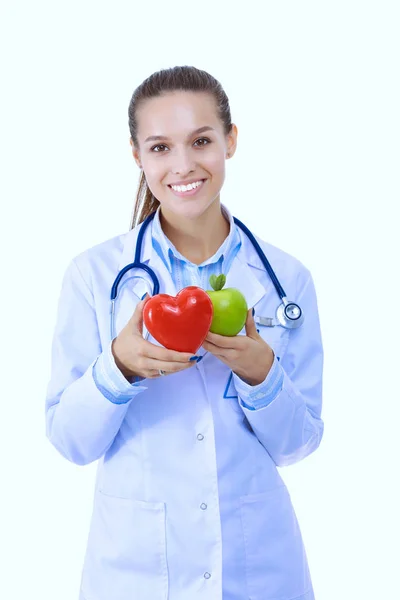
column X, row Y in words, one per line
column 179, row 322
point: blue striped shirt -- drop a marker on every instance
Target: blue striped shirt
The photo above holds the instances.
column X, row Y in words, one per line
column 108, row 378
column 186, row 273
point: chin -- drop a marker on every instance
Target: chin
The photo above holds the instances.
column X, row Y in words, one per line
column 187, row 208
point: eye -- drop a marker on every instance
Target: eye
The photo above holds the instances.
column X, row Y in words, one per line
column 206, row 140
column 153, row 149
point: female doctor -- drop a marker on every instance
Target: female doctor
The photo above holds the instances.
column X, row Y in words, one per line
column 188, row 501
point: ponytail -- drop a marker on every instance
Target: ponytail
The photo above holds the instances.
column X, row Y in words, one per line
column 145, row 203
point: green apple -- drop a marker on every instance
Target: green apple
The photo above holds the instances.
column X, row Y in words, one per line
column 230, row 308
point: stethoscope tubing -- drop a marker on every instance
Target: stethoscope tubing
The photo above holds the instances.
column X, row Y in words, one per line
column 137, row 264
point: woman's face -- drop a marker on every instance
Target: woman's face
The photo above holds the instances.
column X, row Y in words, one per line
column 181, row 140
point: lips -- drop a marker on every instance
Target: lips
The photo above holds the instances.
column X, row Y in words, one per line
column 191, row 192
column 186, row 184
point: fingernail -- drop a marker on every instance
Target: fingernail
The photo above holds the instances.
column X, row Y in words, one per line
column 194, row 358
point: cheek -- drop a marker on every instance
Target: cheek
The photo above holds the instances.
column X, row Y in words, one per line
column 153, row 172
column 155, row 175
column 215, row 164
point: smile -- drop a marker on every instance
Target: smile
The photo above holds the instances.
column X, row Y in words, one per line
column 187, row 190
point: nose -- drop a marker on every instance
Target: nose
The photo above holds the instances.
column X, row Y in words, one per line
column 183, row 162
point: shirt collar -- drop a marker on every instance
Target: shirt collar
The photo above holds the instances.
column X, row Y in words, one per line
column 166, row 250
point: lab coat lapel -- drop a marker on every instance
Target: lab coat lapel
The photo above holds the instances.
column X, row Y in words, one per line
column 242, row 277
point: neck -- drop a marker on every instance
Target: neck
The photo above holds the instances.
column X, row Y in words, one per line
column 197, row 239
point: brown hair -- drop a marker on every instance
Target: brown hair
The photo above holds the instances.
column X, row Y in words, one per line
column 185, row 78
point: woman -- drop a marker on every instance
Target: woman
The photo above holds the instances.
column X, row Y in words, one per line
column 188, row 501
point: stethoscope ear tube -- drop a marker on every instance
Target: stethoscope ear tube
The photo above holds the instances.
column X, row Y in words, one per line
column 135, row 265
column 263, row 258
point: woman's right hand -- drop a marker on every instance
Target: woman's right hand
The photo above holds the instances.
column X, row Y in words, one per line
column 135, row 356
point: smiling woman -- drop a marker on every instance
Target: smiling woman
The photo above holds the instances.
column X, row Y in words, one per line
column 181, row 159
column 189, row 503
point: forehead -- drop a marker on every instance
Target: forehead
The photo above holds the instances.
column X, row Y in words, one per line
column 177, row 112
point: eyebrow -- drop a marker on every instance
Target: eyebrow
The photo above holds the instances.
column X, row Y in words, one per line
column 156, row 138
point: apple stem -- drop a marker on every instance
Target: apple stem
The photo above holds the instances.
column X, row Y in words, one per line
column 217, row 282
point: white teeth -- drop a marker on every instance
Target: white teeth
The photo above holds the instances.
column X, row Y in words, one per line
column 186, row 188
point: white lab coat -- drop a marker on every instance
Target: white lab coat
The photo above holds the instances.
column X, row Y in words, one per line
column 188, row 502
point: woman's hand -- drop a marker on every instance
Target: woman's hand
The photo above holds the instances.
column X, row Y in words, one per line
column 135, row 356
column 248, row 356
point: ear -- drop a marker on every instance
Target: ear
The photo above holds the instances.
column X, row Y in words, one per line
column 136, row 153
column 231, row 141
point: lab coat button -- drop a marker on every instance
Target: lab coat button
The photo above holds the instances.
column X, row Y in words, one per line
column 203, row 506
column 200, row 436
column 207, row 575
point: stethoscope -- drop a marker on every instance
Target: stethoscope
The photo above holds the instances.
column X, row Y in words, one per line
column 288, row 313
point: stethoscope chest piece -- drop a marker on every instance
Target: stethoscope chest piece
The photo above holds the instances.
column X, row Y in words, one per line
column 289, row 314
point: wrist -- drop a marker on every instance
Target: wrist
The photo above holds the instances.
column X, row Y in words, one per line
column 258, row 377
column 126, row 372
column 253, row 381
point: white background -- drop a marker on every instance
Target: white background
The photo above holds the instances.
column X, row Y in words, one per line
column 314, row 91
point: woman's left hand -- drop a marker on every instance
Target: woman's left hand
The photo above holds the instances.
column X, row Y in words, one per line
column 247, row 355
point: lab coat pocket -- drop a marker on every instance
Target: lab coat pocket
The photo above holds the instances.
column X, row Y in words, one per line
column 126, row 553
column 276, row 337
column 276, row 564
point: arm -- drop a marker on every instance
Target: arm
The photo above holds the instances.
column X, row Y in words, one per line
column 81, row 421
column 290, row 425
